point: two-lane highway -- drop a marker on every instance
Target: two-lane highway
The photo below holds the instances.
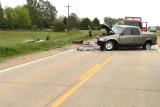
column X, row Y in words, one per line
column 123, row 78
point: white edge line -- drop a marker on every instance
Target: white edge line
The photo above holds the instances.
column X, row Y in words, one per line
column 158, row 48
column 18, row 66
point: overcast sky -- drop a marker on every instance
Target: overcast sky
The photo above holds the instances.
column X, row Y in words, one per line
column 147, row 9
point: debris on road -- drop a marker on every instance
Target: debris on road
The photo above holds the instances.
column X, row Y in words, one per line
column 40, row 41
column 78, row 41
column 29, row 41
column 87, row 47
column 34, row 41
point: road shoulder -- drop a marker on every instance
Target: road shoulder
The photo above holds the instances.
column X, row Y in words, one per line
column 35, row 56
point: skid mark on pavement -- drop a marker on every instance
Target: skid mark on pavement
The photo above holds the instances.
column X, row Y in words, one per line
column 82, row 80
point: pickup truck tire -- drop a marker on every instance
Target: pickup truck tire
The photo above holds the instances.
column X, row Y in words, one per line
column 147, row 46
column 109, row 46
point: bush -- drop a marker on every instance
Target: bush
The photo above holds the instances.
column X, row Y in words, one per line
column 48, row 37
column 5, row 51
column 96, row 28
column 85, row 23
column 34, row 27
column 59, row 26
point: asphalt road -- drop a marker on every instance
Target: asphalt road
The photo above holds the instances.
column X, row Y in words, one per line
column 123, row 78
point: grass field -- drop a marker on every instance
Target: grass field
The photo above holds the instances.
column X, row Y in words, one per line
column 12, row 43
column 158, row 33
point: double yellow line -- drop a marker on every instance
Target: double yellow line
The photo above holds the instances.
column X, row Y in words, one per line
column 83, row 79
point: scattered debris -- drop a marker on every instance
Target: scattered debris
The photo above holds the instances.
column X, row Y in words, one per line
column 29, row 41
column 40, row 41
column 34, row 41
column 78, row 41
column 87, row 47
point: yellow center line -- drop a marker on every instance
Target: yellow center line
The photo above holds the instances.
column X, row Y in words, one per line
column 83, row 79
column 88, row 72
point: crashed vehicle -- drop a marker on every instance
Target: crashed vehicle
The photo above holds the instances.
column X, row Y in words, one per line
column 125, row 36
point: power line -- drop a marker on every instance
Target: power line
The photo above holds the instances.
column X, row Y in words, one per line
column 68, row 6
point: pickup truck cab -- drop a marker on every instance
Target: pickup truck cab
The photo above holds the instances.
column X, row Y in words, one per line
column 125, row 36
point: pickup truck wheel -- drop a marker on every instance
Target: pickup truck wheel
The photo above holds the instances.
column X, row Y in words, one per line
column 109, row 46
column 147, row 46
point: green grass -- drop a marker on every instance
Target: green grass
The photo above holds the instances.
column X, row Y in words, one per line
column 158, row 33
column 12, row 43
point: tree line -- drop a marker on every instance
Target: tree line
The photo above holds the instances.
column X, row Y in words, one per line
column 41, row 14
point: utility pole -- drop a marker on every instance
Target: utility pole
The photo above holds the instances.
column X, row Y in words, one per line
column 68, row 9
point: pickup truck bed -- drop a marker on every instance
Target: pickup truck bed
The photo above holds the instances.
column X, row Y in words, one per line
column 148, row 33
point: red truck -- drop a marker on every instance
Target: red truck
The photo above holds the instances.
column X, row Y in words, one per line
column 136, row 21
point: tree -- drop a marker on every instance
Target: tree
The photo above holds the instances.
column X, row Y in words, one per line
column 85, row 23
column 158, row 27
column 95, row 23
column 22, row 17
column 1, row 12
column 42, row 13
column 10, row 18
column 120, row 21
column 2, row 20
column 65, row 20
column 59, row 27
column 60, row 18
column 34, row 14
column 72, row 21
column 47, row 13
column 17, row 17
column 112, row 21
